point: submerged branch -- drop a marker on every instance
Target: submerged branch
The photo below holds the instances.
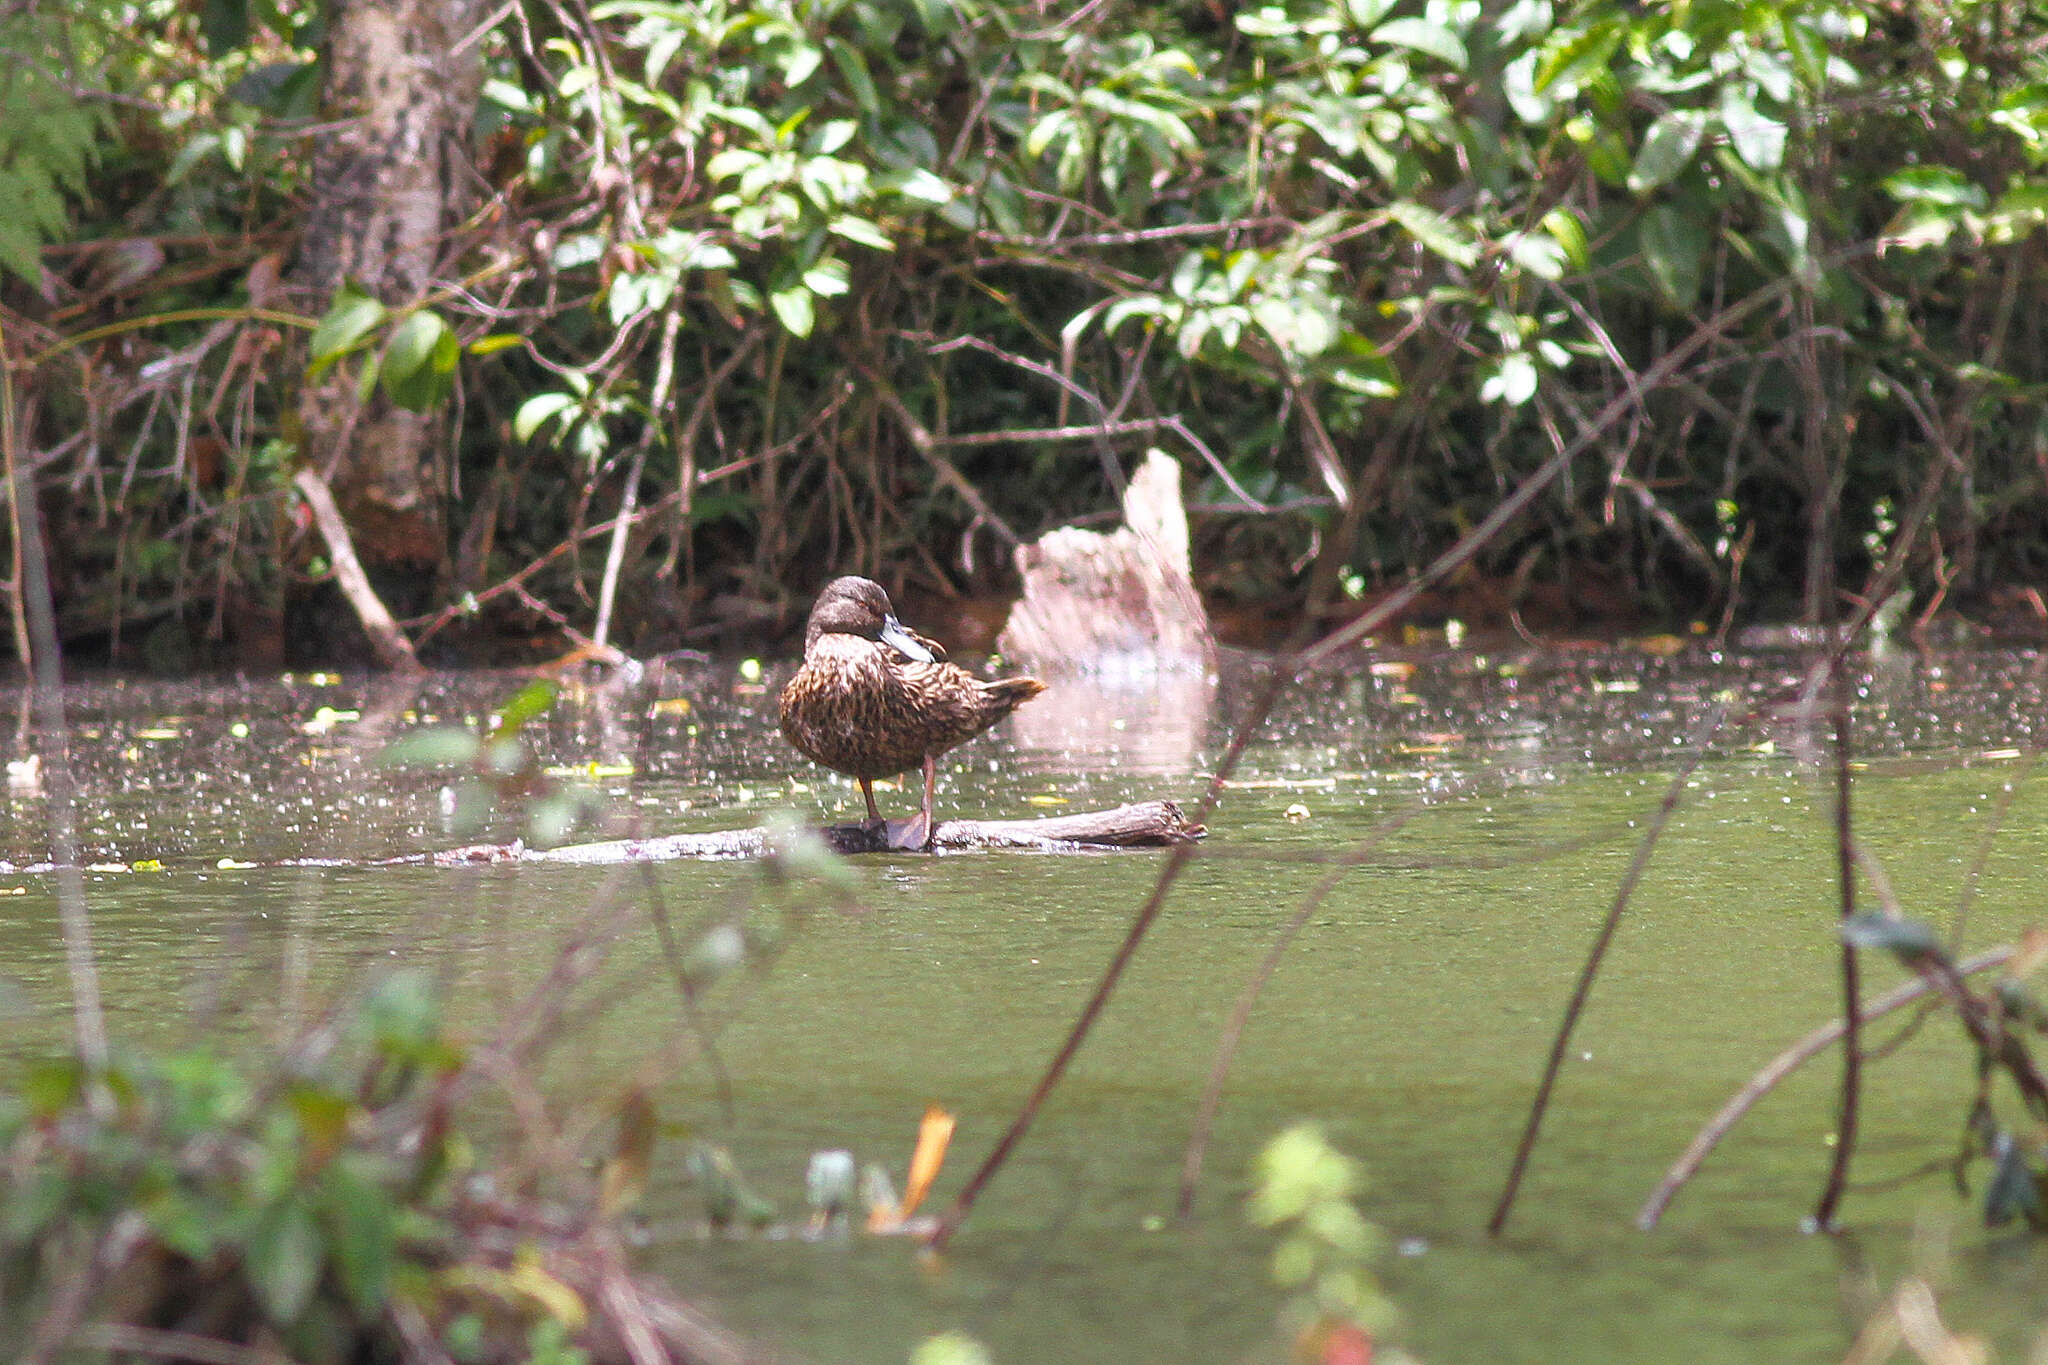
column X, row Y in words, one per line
column 1142, row 824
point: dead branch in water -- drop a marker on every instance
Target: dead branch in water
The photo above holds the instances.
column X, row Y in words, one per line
column 1142, row 824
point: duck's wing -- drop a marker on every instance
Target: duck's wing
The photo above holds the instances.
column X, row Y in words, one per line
column 938, row 650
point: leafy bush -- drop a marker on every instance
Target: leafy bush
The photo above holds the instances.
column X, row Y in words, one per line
column 865, row 283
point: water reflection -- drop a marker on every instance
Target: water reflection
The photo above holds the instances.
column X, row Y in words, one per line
column 1138, row 720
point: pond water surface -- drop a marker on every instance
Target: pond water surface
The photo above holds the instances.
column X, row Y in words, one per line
column 1410, row 1018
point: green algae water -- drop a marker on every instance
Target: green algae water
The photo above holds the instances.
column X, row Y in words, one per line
column 1410, row 1017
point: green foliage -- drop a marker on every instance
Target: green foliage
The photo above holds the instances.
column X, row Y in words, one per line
column 951, row 1348
column 416, row 365
column 48, row 139
column 1302, row 1187
column 1455, row 231
column 288, row 1186
column 499, row 773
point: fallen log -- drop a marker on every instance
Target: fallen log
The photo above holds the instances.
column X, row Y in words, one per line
column 1142, row 824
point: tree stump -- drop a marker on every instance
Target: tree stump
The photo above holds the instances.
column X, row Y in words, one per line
column 1117, row 602
column 1114, row 625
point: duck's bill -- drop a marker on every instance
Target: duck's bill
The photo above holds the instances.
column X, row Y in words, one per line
column 903, row 642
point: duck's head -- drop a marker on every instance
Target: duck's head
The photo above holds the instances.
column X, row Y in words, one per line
column 858, row 606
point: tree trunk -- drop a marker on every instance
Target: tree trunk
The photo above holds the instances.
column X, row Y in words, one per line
column 387, row 178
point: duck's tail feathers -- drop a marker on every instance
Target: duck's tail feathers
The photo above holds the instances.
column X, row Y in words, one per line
column 1011, row 693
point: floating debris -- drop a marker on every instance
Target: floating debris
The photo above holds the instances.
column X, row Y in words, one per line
column 25, row 775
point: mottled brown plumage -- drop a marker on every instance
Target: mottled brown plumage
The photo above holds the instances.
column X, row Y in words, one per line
column 873, row 699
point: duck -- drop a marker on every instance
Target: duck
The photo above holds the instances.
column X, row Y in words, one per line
column 874, row 699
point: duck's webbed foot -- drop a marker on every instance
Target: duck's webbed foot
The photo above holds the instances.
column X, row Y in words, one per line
column 911, row 835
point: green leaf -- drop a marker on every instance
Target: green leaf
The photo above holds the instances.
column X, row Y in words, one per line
column 1916, row 227
column 1297, row 1170
column 1574, row 57
column 1360, row 368
column 538, row 411
column 1056, row 124
column 951, row 1348
column 794, row 307
column 20, row 243
column 365, row 1224
column 403, row 1011
column 552, row 818
column 1420, row 35
column 1446, row 238
column 731, row 162
column 1666, row 149
column 834, row 135
column 225, row 26
column 496, row 342
column 352, row 317
column 1758, row 140
column 283, row 1259
column 182, row 1223
column 419, row 364
column 1674, row 247
column 828, row 279
column 919, row 185
column 2014, row 1190
column 1935, row 185
column 1909, row 938
column 35, row 1200
column 443, row 746
column 801, row 63
column 527, row 704
column 853, row 69
column 1568, row 232
column 323, row 1117
column 51, row 1087
column 862, row 231
column 1538, row 253
column 1270, row 21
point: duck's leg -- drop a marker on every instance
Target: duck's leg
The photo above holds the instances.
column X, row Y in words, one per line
column 915, row 834
column 867, row 789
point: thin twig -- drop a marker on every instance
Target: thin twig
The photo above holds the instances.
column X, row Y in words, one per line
column 1697, row 744
column 393, row 649
column 629, row 498
column 926, row 444
column 46, row 674
column 1852, row 1033
column 1247, row 1000
column 1781, row 1066
column 686, row 994
column 1107, row 424
column 1994, row 822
